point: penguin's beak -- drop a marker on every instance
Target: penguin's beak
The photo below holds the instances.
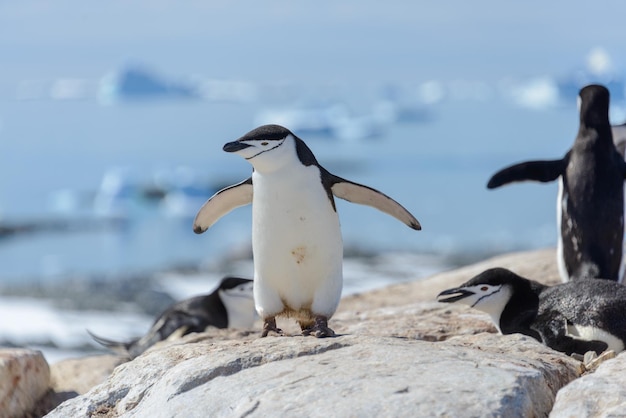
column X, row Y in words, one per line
column 235, row 146
column 453, row 295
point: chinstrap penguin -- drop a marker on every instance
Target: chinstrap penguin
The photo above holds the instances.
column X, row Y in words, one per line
column 230, row 305
column 590, row 204
column 575, row 317
column 296, row 238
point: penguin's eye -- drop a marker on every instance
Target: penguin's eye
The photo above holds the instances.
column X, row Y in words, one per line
column 484, row 288
column 264, row 143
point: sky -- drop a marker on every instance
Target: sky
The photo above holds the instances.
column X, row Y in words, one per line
column 277, row 40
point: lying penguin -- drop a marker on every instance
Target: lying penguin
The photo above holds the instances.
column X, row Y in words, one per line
column 296, row 238
column 230, row 305
column 574, row 317
column 590, row 205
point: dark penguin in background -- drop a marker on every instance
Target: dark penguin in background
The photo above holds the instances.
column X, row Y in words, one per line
column 590, row 205
column 575, row 317
column 231, row 305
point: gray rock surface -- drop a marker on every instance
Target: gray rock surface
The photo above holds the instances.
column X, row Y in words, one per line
column 70, row 376
column 351, row 375
column 398, row 354
column 598, row 394
column 24, row 379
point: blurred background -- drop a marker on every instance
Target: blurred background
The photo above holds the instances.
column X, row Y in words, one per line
column 113, row 117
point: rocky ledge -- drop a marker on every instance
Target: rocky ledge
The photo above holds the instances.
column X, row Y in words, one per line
column 397, row 354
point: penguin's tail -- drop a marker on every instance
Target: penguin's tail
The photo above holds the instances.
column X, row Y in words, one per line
column 118, row 347
column 588, row 270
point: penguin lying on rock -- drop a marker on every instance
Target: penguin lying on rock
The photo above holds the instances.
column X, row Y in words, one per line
column 574, row 317
column 590, row 204
column 230, row 305
column 296, row 239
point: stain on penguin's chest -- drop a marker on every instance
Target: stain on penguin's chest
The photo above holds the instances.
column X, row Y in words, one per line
column 299, row 254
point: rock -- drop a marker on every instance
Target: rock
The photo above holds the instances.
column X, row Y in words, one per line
column 398, row 353
column 80, row 375
column 351, row 375
column 73, row 377
column 599, row 394
column 24, row 379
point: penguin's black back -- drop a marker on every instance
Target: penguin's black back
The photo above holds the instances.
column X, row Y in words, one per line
column 196, row 313
column 595, row 303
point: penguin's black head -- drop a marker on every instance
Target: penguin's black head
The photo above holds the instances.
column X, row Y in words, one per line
column 490, row 291
column 234, row 290
column 594, row 105
column 270, row 147
column 260, row 140
column 237, row 297
column 230, row 282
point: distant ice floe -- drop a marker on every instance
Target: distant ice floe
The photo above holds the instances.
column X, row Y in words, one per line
column 116, row 195
column 538, row 93
column 332, row 120
column 550, row 91
column 140, row 83
column 176, row 192
column 336, row 120
column 184, row 192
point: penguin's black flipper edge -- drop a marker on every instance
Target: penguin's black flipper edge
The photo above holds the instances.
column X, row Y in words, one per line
column 364, row 195
column 543, row 171
column 221, row 203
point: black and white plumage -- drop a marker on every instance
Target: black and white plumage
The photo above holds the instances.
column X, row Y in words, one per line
column 296, row 237
column 575, row 317
column 230, row 305
column 590, row 204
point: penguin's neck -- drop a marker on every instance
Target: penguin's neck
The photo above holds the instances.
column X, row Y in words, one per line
column 594, row 137
column 239, row 309
column 496, row 306
column 521, row 308
column 279, row 160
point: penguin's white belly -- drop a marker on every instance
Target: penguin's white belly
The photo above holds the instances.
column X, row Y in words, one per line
column 590, row 333
column 297, row 245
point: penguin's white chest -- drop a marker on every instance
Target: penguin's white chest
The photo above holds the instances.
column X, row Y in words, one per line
column 296, row 241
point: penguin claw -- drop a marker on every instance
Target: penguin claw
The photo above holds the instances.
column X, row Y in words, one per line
column 270, row 325
column 319, row 329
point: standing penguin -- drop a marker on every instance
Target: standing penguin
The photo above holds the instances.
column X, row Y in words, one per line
column 590, row 205
column 296, row 238
column 230, row 305
column 574, row 317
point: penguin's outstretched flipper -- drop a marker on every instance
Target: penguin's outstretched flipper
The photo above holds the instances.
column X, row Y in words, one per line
column 364, row 195
column 221, row 203
column 543, row 171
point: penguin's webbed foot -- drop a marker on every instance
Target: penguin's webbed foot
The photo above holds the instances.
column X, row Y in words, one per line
column 319, row 328
column 592, row 360
column 270, row 325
